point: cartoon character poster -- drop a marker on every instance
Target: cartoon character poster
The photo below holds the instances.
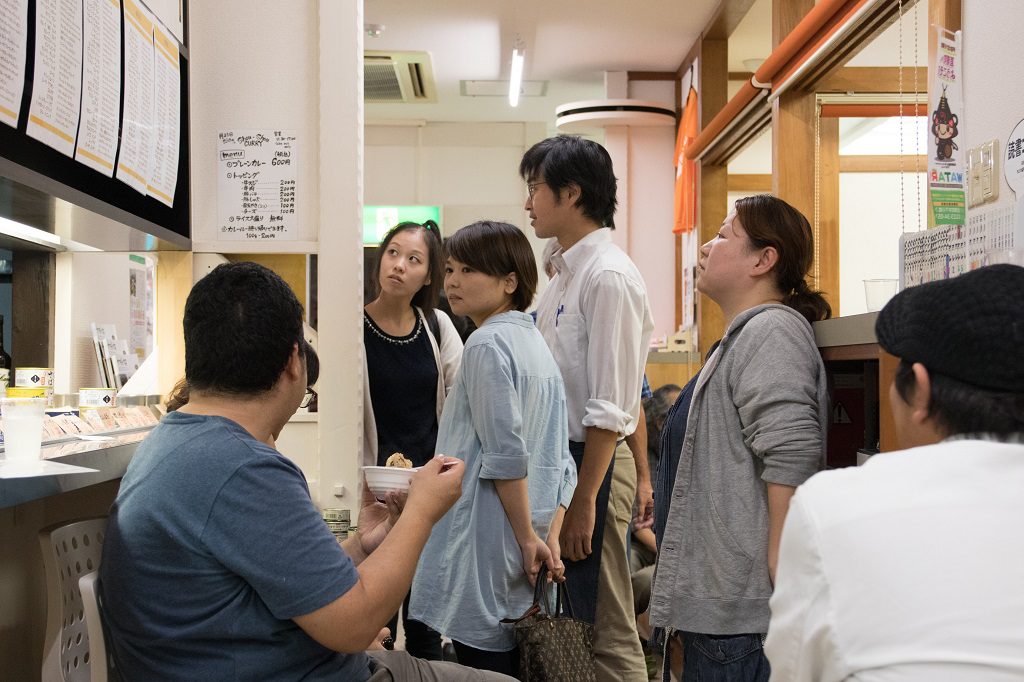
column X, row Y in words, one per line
column 946, row 175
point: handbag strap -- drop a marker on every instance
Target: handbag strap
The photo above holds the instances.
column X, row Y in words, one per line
column 541, row 602
column 559, row 611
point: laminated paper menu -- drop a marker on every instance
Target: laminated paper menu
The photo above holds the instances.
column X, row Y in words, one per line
column 136, row 135
column 256, row 184
column 101, row 86
column 13, row 44
column 163, row 160
column 57, row 81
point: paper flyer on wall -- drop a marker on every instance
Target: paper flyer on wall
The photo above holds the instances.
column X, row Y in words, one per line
column 13, row 47
column 163, row 160
column 104, row 337
column 947, row 201
column 101, row 86
column 57, row 77
column 256, row 184
column 137, row 120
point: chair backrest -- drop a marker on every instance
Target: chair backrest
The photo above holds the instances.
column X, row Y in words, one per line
column 97, row 639
column 69, row 551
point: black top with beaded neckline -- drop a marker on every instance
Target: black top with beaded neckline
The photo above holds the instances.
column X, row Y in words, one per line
column 403, row 378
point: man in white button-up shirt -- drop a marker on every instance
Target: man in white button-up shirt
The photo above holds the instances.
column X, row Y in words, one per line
column 596, row 319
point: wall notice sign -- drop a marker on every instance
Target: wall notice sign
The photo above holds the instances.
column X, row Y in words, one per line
column 13, row 44
column 57, row 81
column 1013, row 161
column 947, row 198
column 256, row 185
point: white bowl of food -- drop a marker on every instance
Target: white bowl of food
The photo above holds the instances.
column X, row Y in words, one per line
column 381, row 480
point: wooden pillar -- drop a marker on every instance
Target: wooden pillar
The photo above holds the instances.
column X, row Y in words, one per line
column 794, row 162
column 174, row 277
column 33, row 282
column 828, row 214
column 713, row 184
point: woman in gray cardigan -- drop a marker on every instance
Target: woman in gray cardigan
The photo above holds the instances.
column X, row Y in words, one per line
column 755, row 420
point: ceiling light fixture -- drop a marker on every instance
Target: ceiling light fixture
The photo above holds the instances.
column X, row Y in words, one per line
column 515, row 82
column 374, row 30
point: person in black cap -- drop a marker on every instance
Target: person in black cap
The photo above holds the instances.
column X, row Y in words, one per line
column 911, row 567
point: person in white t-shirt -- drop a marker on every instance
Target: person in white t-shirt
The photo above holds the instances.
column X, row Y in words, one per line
column 912, row 566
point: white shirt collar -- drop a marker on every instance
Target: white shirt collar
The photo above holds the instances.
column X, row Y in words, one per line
column 580, row 252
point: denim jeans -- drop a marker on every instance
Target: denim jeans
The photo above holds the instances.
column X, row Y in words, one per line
column 724, row 658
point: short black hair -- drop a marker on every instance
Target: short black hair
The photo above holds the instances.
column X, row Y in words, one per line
column 959, row 408
column 496, row 249
column 242, row 323
column 568, row 159
column 426, row 298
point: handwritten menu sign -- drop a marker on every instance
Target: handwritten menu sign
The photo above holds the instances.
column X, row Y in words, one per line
column 256, row 185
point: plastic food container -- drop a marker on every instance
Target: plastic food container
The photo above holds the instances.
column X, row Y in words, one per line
column 381, row 480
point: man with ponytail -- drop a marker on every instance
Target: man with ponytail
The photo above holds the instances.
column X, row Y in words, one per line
column 754, row 428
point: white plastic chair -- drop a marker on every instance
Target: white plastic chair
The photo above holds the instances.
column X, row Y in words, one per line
column 98, row 657
column 69, row 552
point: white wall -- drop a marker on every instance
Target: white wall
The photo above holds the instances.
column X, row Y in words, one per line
column 469, row 169
column 254, row 65
column 993, row 98
column 646, row 202
column 295, row 66
column 870, row 223
column 91, row 287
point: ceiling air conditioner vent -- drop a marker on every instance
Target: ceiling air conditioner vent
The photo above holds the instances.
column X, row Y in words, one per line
column 396, row 77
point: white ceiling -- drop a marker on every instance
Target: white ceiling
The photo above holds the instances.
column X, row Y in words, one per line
column 569, row 43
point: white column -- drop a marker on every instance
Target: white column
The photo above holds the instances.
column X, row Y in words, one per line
column 341, row 251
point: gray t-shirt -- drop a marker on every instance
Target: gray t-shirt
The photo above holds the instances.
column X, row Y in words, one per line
column 212, row 547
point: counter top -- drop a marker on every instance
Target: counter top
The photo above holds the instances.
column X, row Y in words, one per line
column 672, row 357
column 846, row 331
column 110, row 458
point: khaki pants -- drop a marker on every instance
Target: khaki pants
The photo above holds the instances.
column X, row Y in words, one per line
column 618, row 656
column 398, row 666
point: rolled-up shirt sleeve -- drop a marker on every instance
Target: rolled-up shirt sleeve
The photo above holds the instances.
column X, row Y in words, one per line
column 494, row 409
column 614, row 308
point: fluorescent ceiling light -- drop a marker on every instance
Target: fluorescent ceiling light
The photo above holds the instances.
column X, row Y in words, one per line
column 516, row 80
column 30, row 234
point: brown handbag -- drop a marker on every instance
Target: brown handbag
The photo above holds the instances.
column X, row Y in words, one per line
column 553, row 645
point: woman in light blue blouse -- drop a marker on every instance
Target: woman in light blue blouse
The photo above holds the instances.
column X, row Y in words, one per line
column 505, row 416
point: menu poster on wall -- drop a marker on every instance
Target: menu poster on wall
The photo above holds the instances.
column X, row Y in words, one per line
column 57, row 81
column 141, row 306
column 13, row 45
column 947, row 201
column 101, row 85
column 256, row 184
column 163, row 159
column 137, row 126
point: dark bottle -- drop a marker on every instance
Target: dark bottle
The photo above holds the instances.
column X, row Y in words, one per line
column 5, row 360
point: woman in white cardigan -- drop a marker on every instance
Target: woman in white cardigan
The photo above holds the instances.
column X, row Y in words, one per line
column 412, row 353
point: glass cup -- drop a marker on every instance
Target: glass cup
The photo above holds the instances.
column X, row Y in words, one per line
column 22, row 422
column 877, row 292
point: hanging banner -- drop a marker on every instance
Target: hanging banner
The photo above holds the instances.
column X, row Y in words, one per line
column 686, row 170
column 946, row 177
